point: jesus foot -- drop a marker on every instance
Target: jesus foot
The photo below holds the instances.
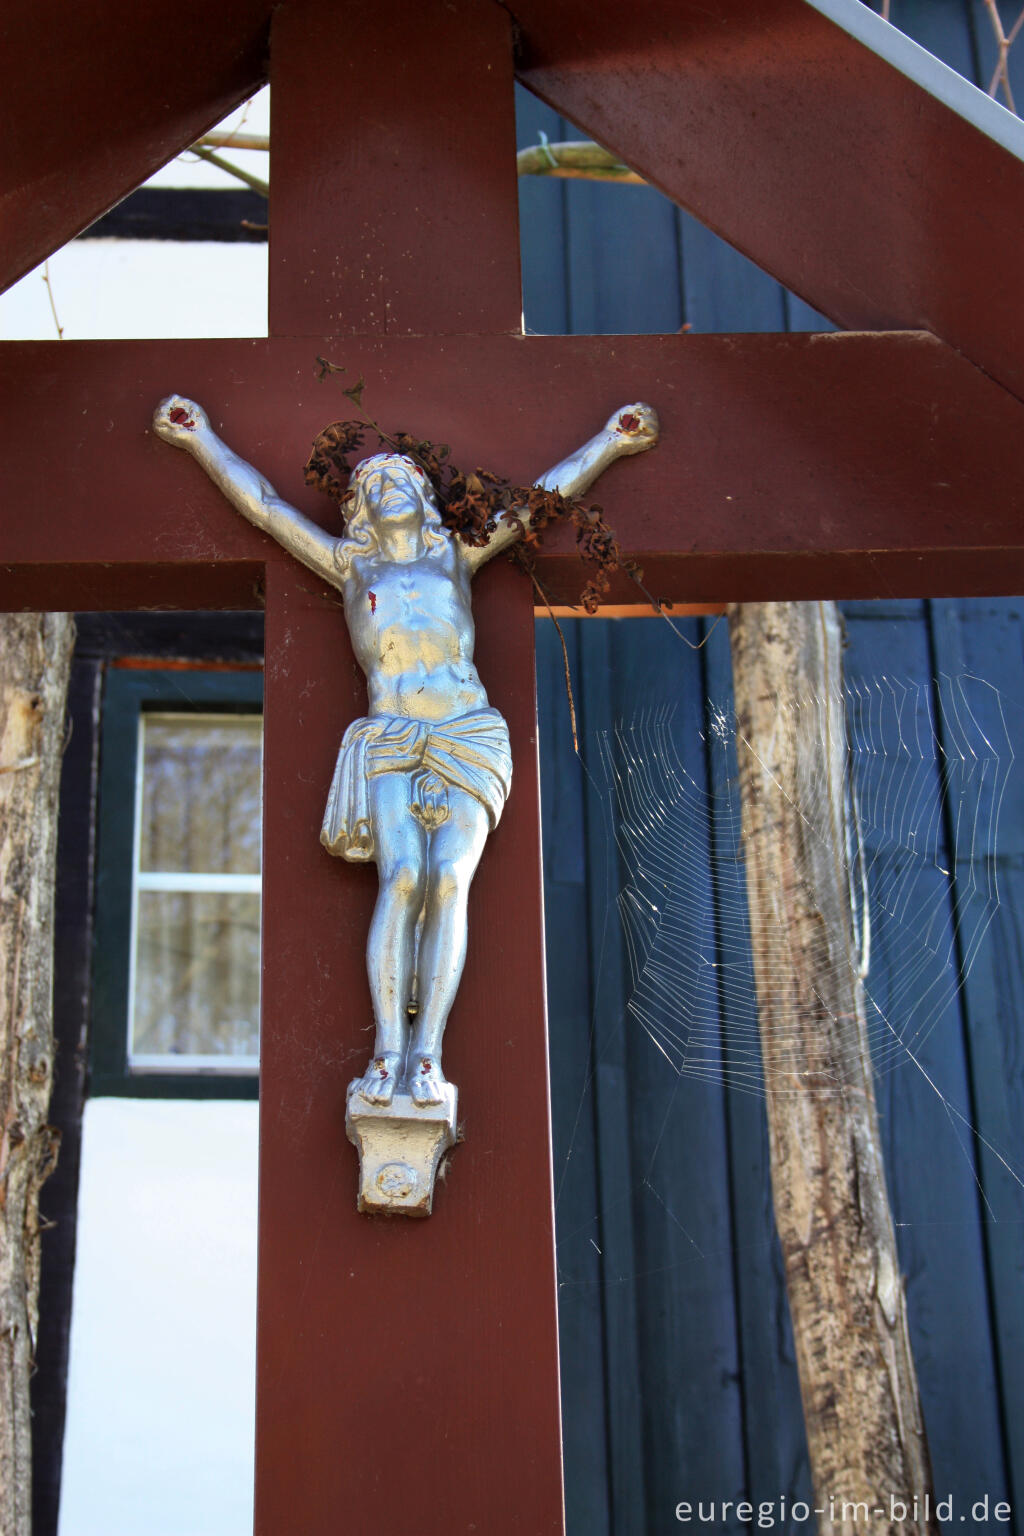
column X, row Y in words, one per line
column 426, row 1082
column 378, row 1083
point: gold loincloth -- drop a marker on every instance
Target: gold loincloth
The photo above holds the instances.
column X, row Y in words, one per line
column 471, row 753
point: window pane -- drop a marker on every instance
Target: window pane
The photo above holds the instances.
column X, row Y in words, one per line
column 197, row 975
column 200, row 793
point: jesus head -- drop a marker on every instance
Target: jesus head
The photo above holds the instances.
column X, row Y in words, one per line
column 388, row 485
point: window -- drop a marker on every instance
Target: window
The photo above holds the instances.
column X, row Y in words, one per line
column 176, row 966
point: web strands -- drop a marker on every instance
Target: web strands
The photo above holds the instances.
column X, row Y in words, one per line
column 928, row 765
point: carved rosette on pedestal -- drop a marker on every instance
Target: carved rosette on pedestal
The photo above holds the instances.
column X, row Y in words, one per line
column 400, row 1148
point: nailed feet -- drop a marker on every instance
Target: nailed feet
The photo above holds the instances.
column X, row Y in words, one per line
column 379, row 1081
column 426, row 1081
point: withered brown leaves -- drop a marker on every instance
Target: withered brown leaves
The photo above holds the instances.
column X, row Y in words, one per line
column 327, row 467
column 472, row 503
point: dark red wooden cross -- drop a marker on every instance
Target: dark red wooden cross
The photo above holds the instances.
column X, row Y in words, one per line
column 408, row 1375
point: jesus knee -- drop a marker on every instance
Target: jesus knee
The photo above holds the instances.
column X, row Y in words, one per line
column 449, row 882
column 403, row 882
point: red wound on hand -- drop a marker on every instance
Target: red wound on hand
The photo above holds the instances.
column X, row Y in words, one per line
column 178, row 415
column 629, row 423
column 373, row 601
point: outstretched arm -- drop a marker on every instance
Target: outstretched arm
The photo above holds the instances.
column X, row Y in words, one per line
column 186, row 425
column 633, row 429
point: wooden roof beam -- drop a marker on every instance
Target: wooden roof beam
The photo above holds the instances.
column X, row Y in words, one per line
column 842, row 158
column 97, row 98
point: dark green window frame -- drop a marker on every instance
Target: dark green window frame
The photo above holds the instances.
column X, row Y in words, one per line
column 128, row 694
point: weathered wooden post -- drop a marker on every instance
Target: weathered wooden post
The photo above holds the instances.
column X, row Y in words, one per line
column 35, row 662
column 865, row 1429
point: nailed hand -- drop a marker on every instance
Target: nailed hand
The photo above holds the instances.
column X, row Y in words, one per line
column 177, row 420
column 634, row 427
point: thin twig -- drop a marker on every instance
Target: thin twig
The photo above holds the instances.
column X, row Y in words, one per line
column 659, row 609
column 565, row 659
column 218, row 139
column 49, row 295
column 255, row 182
column 1003, row 43
column 576, row 158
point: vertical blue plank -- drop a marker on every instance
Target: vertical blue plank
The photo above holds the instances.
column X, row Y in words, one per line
column 801, row 317
column 624, row 1390
column 724, row 291
column 985, row 638
column 692, row 1410
column 912, row 991
column 542, row 243
column 580, row 1310
column 624, row 263
column 945, row 28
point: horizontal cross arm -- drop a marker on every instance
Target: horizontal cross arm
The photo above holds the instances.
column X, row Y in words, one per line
column 789, row 466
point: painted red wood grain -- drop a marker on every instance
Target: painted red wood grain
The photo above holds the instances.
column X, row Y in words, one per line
column 407, row 1373
column 393, row 207
column 789, row 466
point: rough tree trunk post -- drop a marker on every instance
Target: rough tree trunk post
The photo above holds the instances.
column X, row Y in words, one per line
column 864, row 1425
column 35, row 656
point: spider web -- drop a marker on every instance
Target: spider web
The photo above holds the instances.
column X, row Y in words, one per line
column 671, row 1282
column 927, row 774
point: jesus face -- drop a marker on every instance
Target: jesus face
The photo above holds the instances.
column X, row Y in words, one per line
column 393, row 489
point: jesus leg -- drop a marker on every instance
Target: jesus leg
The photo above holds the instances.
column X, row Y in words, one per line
column 453, row 855
column 401, row 850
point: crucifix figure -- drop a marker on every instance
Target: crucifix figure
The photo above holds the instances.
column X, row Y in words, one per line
column 423, row 778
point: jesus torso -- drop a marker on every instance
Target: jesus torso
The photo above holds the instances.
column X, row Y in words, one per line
column 412, row 631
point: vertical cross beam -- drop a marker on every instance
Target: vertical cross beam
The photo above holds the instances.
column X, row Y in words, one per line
column 407, row 1371
column 393, row 206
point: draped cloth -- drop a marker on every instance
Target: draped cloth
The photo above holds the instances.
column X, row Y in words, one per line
column 471, row 753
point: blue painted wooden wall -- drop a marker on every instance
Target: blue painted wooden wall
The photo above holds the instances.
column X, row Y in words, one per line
column 678, row 1374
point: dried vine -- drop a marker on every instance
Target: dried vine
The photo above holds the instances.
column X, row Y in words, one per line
column 471, row 503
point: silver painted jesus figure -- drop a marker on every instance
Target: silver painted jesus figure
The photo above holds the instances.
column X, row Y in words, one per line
column 423, row 778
